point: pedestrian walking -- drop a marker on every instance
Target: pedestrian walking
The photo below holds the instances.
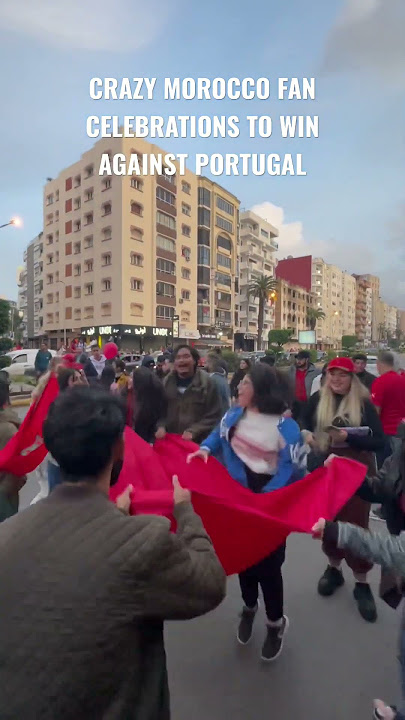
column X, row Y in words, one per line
column 95, row 364
column 42, row 360
column 360, row 364
column 263, row 450
column 334, row 416
column 302, row 375
column 238, row 376
column 82, row 631
column 194, row 406
column 10, row 485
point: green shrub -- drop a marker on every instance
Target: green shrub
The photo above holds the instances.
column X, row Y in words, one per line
column 5, row 361
column 232, row 359
column 5, row 344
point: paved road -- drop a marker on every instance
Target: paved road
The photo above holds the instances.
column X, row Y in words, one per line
column 332, row 666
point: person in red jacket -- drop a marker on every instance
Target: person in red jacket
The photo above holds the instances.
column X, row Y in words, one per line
column 388, row 396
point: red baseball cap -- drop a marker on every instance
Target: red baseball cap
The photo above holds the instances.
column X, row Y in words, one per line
column 342, row 363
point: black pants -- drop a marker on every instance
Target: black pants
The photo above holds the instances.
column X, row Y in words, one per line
column 267, row 574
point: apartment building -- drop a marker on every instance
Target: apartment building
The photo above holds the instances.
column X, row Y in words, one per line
column 363, row 310
column 217, row 270
column 257, row 247
column 390, row 320
column 30, row 292
column 291, row 307
column 374, row 284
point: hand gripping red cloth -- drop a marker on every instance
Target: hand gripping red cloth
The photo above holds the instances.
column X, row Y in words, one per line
column 244, row 527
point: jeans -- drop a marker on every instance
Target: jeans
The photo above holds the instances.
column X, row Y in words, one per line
column 54, row 476
column 267, row 574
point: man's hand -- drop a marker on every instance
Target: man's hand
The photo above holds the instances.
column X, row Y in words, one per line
column 160, row 433
column 318, row 529
column 180, row 494
column 201, row 452
column 123, row 501
column 329, row 459
column 187, row 435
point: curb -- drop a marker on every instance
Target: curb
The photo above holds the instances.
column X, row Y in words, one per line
column 20, row 402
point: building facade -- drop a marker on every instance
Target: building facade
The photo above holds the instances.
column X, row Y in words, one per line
column 257, row 247
column 30, row 292
column 363, row 329
column 291, row 308
column 374, row 284
column 124, row 256
column 335, row 292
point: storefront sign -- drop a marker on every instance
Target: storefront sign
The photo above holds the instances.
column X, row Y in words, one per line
column 90, row 331
column 204, row 336
column 137, row 330
column 140, row 331
column 162, row 332
column 190, row 334
column 105, row 330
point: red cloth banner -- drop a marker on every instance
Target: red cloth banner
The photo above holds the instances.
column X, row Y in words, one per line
column 244, row 526
column 26, row 450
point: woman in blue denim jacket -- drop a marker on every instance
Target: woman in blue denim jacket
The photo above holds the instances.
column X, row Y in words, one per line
column 262, row 449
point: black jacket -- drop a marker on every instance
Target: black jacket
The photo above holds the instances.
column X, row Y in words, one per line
column 366, row 379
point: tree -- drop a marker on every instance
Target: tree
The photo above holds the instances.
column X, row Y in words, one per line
column 4, row 317
column 280, row 337
column 5, row 344
column 349, row 342
column 313, row 315
column 261, row 287
column 382, row 332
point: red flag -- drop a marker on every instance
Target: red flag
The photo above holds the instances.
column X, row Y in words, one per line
column 26, row 449
column 244, row 526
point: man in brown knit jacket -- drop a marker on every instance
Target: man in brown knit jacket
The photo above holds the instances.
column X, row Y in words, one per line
column 85, row 587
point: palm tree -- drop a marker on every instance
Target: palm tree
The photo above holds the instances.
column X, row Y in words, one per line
column 313, row 315
column 261, row 287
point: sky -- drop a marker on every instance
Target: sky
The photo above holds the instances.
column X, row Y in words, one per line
column 349, row 208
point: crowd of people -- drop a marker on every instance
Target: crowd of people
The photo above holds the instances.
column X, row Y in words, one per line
column 114, row 579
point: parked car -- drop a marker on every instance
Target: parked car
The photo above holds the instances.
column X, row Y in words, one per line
column 132, row 361
column 23, row 362
column 371, row 366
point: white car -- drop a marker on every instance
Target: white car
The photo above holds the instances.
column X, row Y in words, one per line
column 371, row 366
column 21, row 361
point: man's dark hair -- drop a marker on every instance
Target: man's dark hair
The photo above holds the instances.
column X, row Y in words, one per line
column 359, row 356
column 195, row 354
column 272, row 390
column 4, row 393
column 63, row 376
column 107, row 377
column 268, row 360
column 81, row 429
column 386, row 358
column 303, row 355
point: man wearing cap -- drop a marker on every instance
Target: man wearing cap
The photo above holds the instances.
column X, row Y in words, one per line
column 365, row 377
column 302, row 375
column 148, row 362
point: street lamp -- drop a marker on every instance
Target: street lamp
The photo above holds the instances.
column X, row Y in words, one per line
column 16, row 221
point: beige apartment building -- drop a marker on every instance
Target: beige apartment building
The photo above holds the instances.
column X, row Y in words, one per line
column 291, row 309
column 364, row 314
column 121, row 252
column 374, row 284
column 257, row 247
column 335, row 295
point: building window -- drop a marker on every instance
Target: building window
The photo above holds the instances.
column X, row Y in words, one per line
column 165, row 289
column 185, row 294
column 203, row 315
column 185, row 315
column 185, row 209
column 224, row 224
column 186, row 253
column 106, row 234
column 78, row 314
column 136, row 310
column 49, row 298
column 106, row 209
column 49, row 199
column 137, row 184
column 165, row 244
column 185, row 273
column 225, row 206
column 204, row 217
column 57, row 216
column 77, row 226
column 203, row 275
column 49, row 317
column 186, row 187
column 77, row 181
column 162, row 311
column 106, row 284
column 106, row 184
column 77, row 292
column 136, row 233
column 106, row 259
column 77, row 248
column 49, row 239
column 165, row 196
column 186, row 230
column 203, row 236
column 223, row 279
column 166, row 220
column 136, row 259
column 88, row 195
column 88, row 171
column 77, row 203
column 224, row 243
column 224, row 260
column 49, row 219
column 88, row 242
column 49, row 259
column 223, row 316
column 203, row 255
column 88, row 312
column 57, row 196
column 49, row 279
column 264, row 233
column 105, row 309
column 136, row 209
column 168, row 178
column 136, row 284
column 88, row 218
column 88, row 289
column 165, row 266
column 204, row 197
column 88, row 265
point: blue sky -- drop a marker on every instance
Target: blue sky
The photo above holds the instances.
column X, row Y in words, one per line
column 350, row 208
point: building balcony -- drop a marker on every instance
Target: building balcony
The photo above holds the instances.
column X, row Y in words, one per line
column 249, row 230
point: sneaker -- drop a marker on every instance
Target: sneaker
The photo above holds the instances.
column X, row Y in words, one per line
column 365, row 601
column 383, row 711
column 274, row 641
column 331, row 580
column 245, row 629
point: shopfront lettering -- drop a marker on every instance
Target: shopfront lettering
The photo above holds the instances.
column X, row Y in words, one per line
column 90, row 331
column 160, row 331
column 140, row 331
column 105, row 330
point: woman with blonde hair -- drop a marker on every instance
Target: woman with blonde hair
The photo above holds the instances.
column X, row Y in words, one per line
column 342, row 420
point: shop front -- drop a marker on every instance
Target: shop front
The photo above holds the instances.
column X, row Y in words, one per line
column 130, row 338
column 245, row 342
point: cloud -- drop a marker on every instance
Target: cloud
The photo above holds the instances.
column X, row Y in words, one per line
column 368, row 37
column 291, row 239
column 121, row 26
